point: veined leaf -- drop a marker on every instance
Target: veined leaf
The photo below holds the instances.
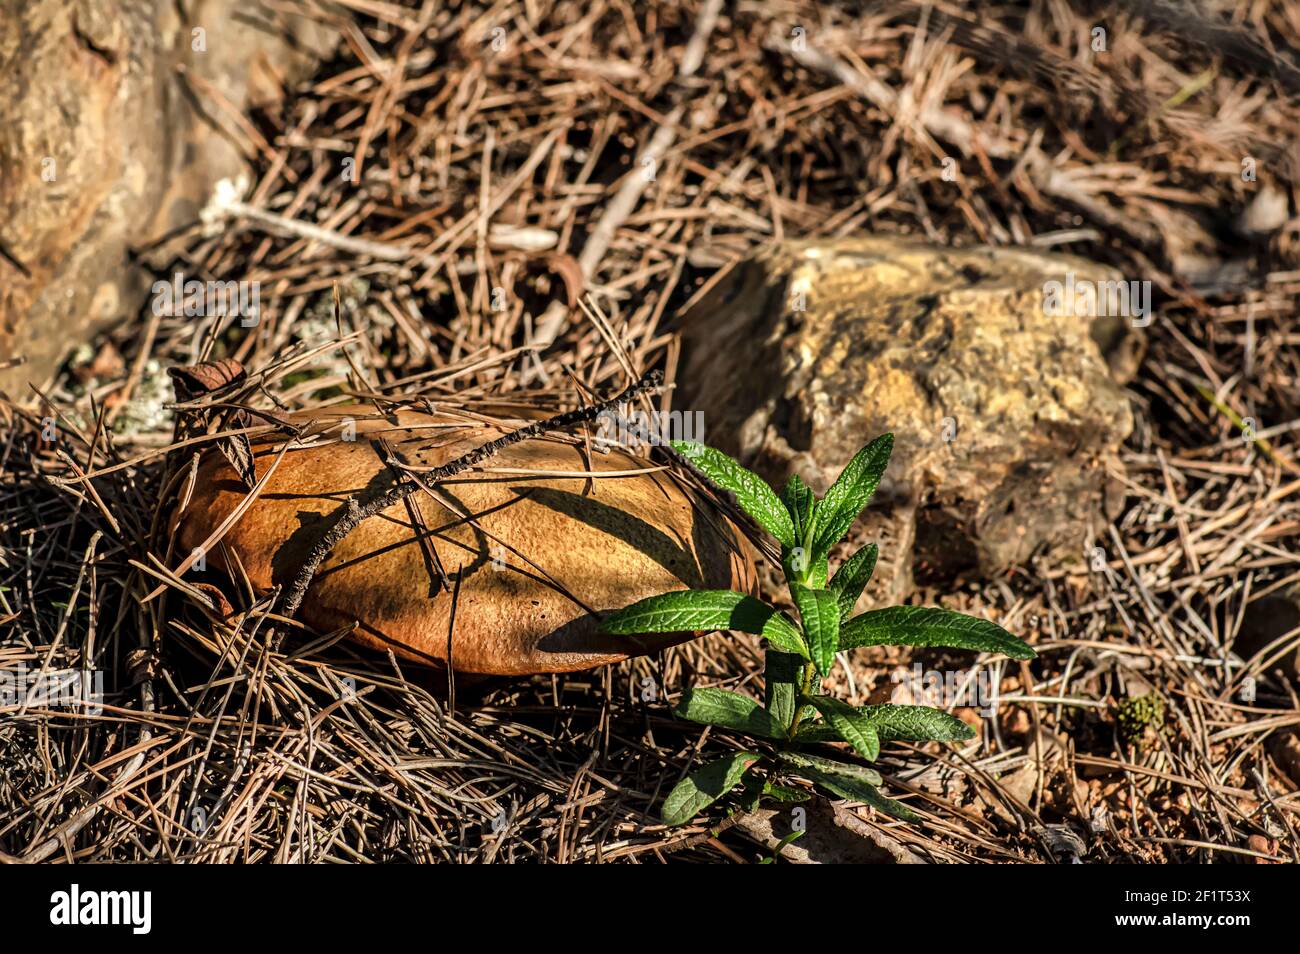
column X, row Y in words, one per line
column 930, row 626
column 851, row 491
column 850, row 724
column 820, row 570
column 895, row 723
column 685, row 611
column 871, row 796
column 803, row 563
column 802, row 764
column 705, row 786
column 819, row 611
column 784, row 793
column 730, row 710
column 751, row 793
column 752, row 492
column 238, row 451
column 801, row 504
column 782, row 673
column 853, row 782
column 800, row 569
column 853, row 576
column 856, row 790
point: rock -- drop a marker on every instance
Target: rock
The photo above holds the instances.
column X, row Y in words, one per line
column 541, row 558
column 1005, row 416
column 106, row 148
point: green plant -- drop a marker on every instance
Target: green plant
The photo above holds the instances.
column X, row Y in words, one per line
column 1138, row 715
column 795, row 713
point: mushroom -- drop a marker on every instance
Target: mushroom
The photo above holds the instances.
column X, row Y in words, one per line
column 536, row 541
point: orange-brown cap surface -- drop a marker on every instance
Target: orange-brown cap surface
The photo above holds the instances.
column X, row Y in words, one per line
column 540, row 553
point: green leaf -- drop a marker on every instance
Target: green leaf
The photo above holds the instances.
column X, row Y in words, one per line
column 801, row 504
column 819, row 611
column 820, row 570
column 850, row 724
column 752, row 493
column 730, row 710
column 930, row 626
column 782, row 673
column 871, row 796
column 799, row 569
column 916, row 724
column 781, row 846
column 853, row 576
column 705, row 786
column 784, row 793
column 856, row 790
column 895, row 723
column 686, row 611
column 851, row 491
column 854, row 782
column 802, row 762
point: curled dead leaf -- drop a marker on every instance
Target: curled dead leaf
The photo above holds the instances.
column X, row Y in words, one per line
column 570, row 272
column 217, row 601
column 238, row 451
column 195, row 380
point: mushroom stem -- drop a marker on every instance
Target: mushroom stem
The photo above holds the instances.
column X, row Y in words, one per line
column 347, row 517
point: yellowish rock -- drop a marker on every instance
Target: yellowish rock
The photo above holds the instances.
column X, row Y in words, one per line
column 1004, row 414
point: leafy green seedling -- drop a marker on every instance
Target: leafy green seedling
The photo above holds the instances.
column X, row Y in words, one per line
column 795, row 713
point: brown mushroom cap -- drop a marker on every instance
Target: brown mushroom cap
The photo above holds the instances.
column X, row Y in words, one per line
column 540, row 555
